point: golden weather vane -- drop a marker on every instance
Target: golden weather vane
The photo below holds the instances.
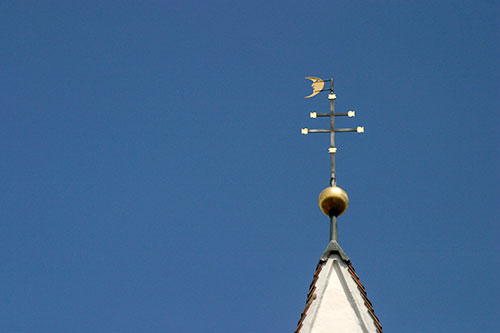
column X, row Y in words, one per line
column 333, row 200
column 317, row 85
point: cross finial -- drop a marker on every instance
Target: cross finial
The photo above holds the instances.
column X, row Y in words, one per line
column 318, row 85
column 333, row 201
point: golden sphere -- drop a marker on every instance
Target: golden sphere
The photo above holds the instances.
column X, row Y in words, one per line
column 333, row 201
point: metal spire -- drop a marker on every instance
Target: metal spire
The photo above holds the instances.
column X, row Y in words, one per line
column 333, row 200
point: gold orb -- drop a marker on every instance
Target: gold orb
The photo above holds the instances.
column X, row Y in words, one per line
column 333, row 201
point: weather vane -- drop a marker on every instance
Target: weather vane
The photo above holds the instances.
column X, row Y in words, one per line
column 333, row 200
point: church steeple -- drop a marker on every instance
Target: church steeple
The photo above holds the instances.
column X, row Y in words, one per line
column 336, row 301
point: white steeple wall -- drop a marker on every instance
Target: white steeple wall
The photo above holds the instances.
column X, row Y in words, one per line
column 337, row 301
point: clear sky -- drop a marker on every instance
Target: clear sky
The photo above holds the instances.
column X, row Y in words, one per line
column 154, row 178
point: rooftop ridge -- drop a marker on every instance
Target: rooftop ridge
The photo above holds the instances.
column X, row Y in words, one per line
column 334, row 247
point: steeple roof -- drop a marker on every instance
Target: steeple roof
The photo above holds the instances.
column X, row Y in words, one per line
column 337, row 301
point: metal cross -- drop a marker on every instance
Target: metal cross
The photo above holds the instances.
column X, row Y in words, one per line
column 317, row 82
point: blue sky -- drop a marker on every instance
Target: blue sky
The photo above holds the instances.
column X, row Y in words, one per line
column 154, row 178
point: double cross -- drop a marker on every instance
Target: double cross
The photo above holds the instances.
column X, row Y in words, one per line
column 318, row 85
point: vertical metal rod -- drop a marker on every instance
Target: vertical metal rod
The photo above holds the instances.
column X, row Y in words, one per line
column 333, row 229
column 333, row 180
